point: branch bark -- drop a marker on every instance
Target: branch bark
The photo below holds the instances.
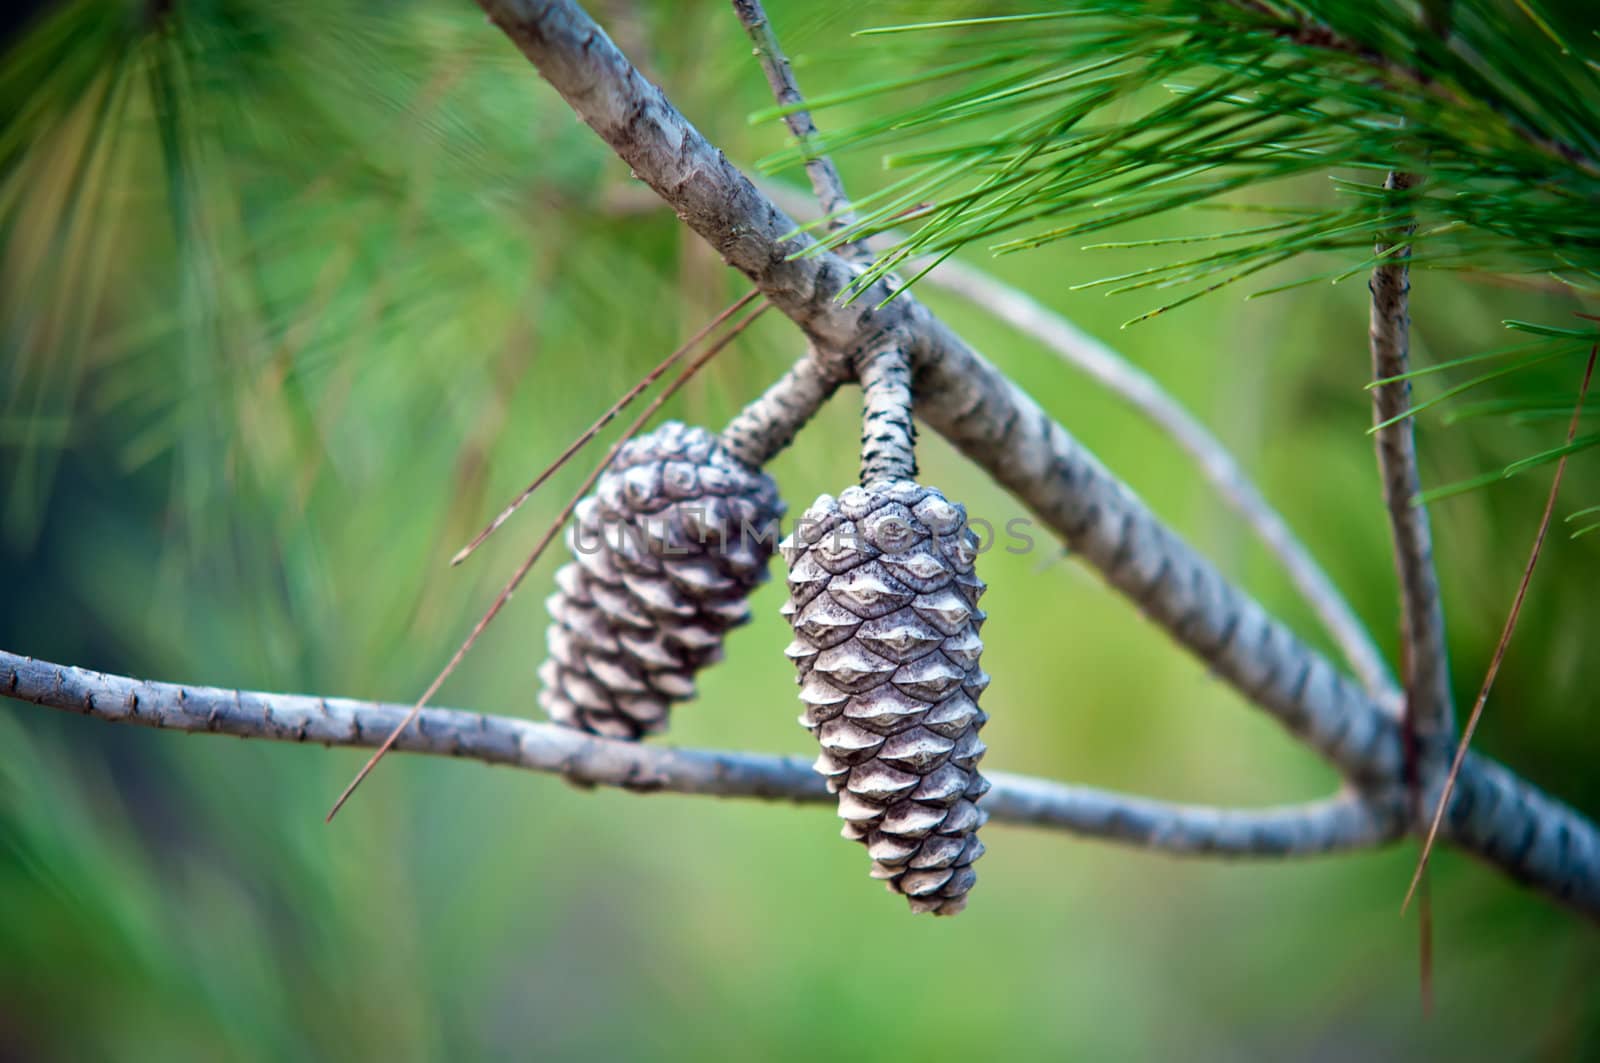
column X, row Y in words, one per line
column 1342, row 823
column 994, row 423
column 960, row 395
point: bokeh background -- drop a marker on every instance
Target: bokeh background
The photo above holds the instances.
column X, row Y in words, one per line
column 293, row 296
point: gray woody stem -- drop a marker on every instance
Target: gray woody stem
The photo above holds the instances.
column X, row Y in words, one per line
column 824, row 176
column 767, row 425
column 888, row 436
column 1424, row 655
column 1505, row 821
column 1345, row 822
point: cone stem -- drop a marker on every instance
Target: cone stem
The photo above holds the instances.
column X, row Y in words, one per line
column 771, row 421
column 888, row 437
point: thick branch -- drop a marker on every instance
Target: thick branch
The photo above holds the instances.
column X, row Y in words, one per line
column 1347, row 822
column 1424, row 654
column 998, row 426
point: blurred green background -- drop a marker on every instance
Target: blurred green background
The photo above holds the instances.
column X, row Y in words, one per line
column 293, row 296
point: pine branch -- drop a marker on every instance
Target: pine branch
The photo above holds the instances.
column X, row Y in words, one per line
column 1343, row 823
column 962, row 396
column 1429, row 712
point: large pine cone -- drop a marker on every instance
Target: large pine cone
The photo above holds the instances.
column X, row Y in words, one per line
column 884, row 605
column 675, row 536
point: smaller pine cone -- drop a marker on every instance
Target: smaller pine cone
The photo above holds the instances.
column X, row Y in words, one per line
column 883, row 600
column 675, row 536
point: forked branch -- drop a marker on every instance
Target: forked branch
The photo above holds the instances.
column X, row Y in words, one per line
column 1498, row 817
column 1145, row 395
column 1492, row 814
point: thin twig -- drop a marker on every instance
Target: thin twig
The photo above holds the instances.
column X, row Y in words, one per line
column 1505, row 640
column 1425, row 667
column 1424, row 658
column 544, row 542
column 1342, row 823
column 1428, row 713
column 594, row 429
column 824, row 175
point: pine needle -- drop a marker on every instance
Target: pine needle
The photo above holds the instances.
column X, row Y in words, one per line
column 1505, row 641
column 594, row 429
column 544, row 542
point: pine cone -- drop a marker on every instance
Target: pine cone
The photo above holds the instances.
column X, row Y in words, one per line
column 884, row 605
column 675, row 536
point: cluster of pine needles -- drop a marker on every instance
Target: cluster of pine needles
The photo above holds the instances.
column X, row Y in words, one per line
column 1031, row 129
